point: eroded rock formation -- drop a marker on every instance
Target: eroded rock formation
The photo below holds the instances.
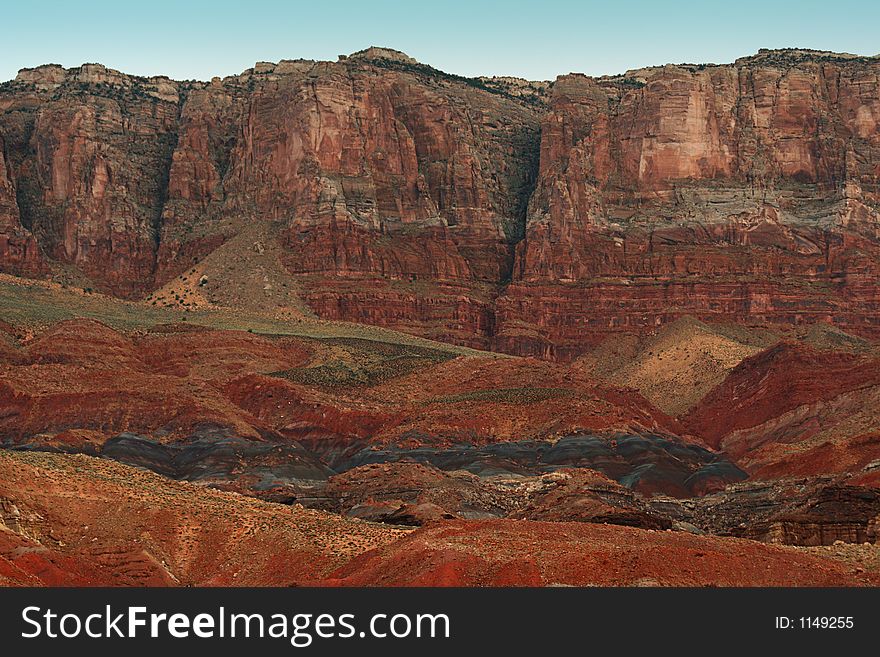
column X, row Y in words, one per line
column 746, row 192
column 532, row 218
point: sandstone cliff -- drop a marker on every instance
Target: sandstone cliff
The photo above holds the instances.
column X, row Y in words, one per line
column 533, row 218
column 745, row 192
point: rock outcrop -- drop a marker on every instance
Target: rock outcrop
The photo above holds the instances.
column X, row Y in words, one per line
column 793, row 409
column 374, row 168
column 746, row 192
column 531, row 218
column 90, row 150
column 19, row 252
column 809, row 512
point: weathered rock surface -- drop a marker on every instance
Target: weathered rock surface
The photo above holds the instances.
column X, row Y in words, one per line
column 583, row 495
column 19, row 252
column 374, row 167
column 746, row 191
column 72, row 520
column 132, row 527
column 275, row 416
column 809, row 512
column 89, row 150
column 528, row 553
column 409, row 493
column 813, row 511
column 646, row 463
column 529, row 218
column 793, row 409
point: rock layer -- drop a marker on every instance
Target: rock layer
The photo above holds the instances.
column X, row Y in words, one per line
column 277, row 416
column 19, row 252
column 132, row 527
column 745, row 192
column 373, row 167
column 526, row 217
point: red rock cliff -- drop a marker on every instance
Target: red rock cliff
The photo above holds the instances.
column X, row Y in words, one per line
column 19, row 252
column 476, row 210
column 746, row 192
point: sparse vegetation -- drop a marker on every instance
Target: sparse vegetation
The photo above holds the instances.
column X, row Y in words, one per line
column 631, row 82
column 506, row 395
column 37, row 304
column 430, row 72
column 364, row 362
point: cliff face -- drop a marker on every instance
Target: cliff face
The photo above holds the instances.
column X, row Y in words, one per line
column 746, row 192
column 397, row 196
column 89, row 150
column 19, row 253
column 481, row 211
column 374, row 167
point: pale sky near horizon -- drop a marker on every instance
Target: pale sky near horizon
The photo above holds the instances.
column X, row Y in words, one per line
column 535, row 40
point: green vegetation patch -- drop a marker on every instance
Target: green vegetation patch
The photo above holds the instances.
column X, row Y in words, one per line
column 506, row 395
column 364, row 362
column 36, row 306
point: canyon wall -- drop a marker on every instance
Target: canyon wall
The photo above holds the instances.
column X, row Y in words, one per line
column 746, row 192
column 532, row 218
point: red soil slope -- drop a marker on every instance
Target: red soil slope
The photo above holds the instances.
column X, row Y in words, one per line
column 131, row 527
column 525, row 553
column 795, row 410
column 77, row 520
column 81, row 375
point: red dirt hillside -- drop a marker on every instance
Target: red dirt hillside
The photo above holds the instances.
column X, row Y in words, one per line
column 794, row 410
column 81, row 374
column 525, row 553
column 74, row 520
column 132, row 527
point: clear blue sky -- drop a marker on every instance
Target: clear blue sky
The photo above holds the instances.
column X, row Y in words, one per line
column 536, row 40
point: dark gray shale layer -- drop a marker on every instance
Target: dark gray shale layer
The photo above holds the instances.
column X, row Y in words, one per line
column 643, row 462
